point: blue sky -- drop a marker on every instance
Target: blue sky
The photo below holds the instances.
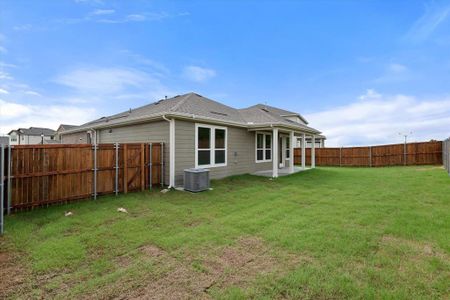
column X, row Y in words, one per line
column 360, row 71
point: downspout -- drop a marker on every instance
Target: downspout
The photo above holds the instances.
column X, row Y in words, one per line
column 171, row 151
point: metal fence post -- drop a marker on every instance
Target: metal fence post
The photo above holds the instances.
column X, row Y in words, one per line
column 150, row 164
column 2, row 183
column 404, row 154
column 95, row 171
column 9, row 177
column 116, row 180
column 162, row 164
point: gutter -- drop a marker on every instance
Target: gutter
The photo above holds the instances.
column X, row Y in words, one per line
column 171, row 151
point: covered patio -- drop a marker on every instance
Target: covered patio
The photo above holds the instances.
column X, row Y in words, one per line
column 283, row 152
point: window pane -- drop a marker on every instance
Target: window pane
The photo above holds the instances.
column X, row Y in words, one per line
column 268, row 154
column 268, row 141
column 204, row 139
column 287, row 143
column 287, row 153
column 219, row 157
column 220, row 139
column 204, row 157
column 259, row 154
column 259, row 141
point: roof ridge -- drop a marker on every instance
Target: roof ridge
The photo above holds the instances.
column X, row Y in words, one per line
column 176, row 106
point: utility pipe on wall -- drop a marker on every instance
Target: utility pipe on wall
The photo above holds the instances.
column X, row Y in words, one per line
column 171, row 151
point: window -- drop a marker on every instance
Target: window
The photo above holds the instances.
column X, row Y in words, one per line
column 288, row 148
column 263, row 147
column 211, row 146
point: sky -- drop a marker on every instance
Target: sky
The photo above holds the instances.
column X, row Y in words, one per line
column 362, row 72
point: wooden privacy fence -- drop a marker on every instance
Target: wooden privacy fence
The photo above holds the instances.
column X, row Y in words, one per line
column 446, row 154
column 426, row 153
column 47, row 174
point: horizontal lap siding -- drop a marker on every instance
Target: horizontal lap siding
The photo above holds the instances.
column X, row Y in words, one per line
column 75, row 138
column 155, row 132
column 184, row 149
column 240, row 152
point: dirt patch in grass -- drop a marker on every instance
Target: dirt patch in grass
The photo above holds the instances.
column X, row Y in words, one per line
column 235, row 265
column 414, row 249
column 429, row 168
column 12, row 275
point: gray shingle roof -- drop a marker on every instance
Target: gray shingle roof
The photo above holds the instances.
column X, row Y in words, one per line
column 67, row 127
column 193, row 104
column 36, row 131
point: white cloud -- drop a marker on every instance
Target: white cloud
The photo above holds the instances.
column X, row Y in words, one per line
column 394, row 72
column 32, row 93
column 198, row 74
column 113, row 83
column 376, row 118
column 23, row 27
column 3, row 50
column 3, row 91
column 15, row 115
column 435, row 14
column 103, row 80
column 102, row 12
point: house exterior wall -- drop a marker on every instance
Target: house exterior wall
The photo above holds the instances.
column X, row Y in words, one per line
column 22, row 139
column 14, row 138
column 240, row 152
column 75, row 138
column 154, row 132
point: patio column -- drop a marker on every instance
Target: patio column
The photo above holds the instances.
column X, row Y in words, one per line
column 291, row 152
column 275, row 153
column 303, row 151
column 313, row 151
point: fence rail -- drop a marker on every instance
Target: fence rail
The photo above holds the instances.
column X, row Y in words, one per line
column 48, row 174
column 446, row 154
column 426, row 153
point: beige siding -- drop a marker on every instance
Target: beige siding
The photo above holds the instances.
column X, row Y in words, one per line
column 74, row 138
column 240, row 152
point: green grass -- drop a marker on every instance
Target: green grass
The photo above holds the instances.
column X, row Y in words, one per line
column 354, row 233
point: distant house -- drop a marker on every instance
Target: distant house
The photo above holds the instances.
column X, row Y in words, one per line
column 202, row 133
column 4, row 140
column 320, row 142
column 31, row 136
column 62, row 128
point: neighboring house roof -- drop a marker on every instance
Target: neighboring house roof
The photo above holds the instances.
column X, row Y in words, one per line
column 64, row 127
column 36, row 131
column 195, row 106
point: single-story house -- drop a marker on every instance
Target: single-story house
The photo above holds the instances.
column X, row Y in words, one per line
column 31, row 136
column 203, row 133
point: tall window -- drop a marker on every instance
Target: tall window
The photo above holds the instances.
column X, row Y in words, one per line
column 288, row 148
column 211, row 146
column 263, row 147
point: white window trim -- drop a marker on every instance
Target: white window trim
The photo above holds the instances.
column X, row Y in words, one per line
column 288, row 148
column 264, row 147
column 212, row 146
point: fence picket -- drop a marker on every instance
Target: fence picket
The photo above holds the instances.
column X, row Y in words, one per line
column 426, row 153
column 48, row 174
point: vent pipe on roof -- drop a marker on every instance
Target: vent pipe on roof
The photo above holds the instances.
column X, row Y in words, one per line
column 165, row 97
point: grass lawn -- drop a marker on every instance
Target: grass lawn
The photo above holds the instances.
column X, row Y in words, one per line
column 326, row 233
